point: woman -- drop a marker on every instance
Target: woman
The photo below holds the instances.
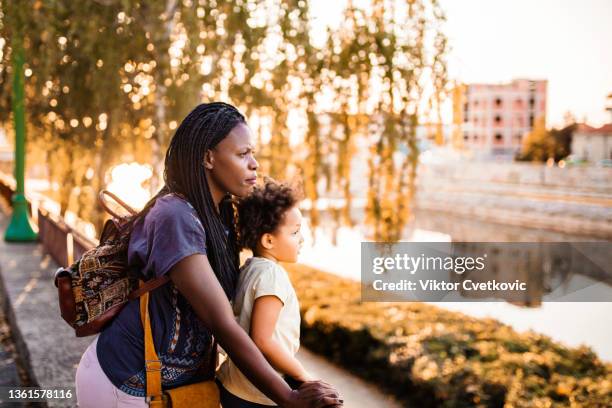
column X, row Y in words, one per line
column 187, row 231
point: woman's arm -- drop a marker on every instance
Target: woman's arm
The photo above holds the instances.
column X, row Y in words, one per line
column 195, row 279
column 266, row 310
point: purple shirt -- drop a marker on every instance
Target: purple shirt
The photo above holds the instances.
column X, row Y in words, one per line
column 170, row 232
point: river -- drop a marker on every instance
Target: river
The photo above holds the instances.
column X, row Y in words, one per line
column 571, row 323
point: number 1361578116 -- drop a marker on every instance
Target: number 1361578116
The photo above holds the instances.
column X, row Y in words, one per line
column 23, row 394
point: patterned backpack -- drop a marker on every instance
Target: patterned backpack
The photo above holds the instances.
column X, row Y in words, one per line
column 96, row 287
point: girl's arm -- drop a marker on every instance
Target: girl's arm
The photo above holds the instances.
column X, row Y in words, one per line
column 266, row 310
column 195, row 279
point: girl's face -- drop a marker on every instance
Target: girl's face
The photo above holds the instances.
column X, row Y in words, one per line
column 231, row 167
column 287, row 239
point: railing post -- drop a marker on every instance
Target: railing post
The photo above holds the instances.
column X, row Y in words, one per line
column 69, row 248
column 19, row 228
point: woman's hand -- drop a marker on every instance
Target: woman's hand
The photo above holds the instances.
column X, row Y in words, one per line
column 314, row 394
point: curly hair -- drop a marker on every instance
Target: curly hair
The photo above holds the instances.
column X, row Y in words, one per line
column 263, row 211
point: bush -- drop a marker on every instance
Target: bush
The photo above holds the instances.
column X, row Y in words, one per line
column 430, row 357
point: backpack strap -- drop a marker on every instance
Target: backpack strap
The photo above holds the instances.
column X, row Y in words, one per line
column 152, row 362
column 153, row 365
column 148, row 286
column 102, row 199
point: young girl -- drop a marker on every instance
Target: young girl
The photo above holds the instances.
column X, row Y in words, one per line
column 266, row 305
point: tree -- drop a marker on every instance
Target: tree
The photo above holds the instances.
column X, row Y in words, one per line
column 70, row 114
column 537, row 144
column 114, row 88
column 562, row 140
column 541, row 144
column 399, row 43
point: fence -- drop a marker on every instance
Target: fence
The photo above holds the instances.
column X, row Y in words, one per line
column 60, row 240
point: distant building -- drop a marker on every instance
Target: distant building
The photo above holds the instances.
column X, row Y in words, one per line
column 492, row 119
column 592, row 144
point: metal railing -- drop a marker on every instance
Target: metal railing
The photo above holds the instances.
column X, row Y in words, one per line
column 60, row 240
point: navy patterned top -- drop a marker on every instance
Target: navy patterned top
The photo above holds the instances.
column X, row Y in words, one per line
column 170, row 231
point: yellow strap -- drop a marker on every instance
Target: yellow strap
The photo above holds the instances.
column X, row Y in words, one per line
column 152, row 362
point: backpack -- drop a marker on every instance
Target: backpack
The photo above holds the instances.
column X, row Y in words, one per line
column 94, row 289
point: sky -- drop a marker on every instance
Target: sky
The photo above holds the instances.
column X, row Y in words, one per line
column 567, row 42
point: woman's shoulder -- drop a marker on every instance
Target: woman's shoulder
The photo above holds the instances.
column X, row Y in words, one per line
column 172, row 207
column 170, row 231
column 171, row 203
column 169, row 214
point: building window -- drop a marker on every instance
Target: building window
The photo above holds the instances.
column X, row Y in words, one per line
column 518, row 137
column 465, row 118
column 497, row 119
column 465, row 136
column 498, row 137
column 476, row 102
column 531, row 120
column 531, row 102
column 498, row 102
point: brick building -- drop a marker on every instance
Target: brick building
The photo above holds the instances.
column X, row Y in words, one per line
column 492, row 119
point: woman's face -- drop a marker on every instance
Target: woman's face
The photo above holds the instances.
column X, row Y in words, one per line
column 231, row 166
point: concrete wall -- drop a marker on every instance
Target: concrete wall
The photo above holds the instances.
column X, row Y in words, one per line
column 572, row 200
column 575, row 178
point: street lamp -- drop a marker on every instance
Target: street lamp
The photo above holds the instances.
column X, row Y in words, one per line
column 19, row 229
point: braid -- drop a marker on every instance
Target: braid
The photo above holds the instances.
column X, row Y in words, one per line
column 184, row 173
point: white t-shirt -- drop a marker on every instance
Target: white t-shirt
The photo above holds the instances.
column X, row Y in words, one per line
column 262, row 277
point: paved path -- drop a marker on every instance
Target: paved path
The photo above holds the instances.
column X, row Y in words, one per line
column 52, row 352
column 356, row 392
column 47, row 344
column 9, row 368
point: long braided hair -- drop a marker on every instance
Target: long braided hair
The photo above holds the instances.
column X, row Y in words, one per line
column 206, row 126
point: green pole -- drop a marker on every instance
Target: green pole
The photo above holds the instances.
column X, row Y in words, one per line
column 19, row 229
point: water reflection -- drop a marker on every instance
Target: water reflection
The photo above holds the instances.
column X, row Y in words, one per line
column 463, row 229
column 573, row 322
